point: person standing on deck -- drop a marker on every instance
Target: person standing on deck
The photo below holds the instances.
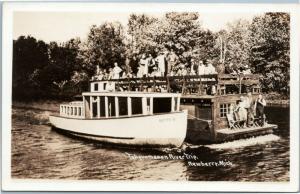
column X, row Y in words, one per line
column 143, row 70
column 250, row 106
column 161, row 61
column 201, row 68
column 151, row 64
column 260, row 104
column 241, row 111
column 116, row 71
column 210, row 68
column 172, row 61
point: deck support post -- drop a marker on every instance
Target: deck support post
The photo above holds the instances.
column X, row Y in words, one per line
column 144, row 105
column 98, row 106
column 151, row 105
column 106, row 106
column 129, row 106
column 83, row 111
column 178, row 103
column 173, row 104
column 117, row 106
column 91, row 106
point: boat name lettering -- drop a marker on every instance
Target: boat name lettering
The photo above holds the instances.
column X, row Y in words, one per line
column 170, row 119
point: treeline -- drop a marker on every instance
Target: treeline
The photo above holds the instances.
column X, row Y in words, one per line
column 42, row 70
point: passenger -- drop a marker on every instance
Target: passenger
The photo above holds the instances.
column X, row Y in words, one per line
column 140, row 72
column 247, row 70
column 161, row 63
column 260, row 104
column 116, row 71
column 151, row 64
column 184, row 71
column 250, row 106
column 180, row 70
column 194, row 67
column 220, row 68
column 230, row 69
column 201, row 68
column 172, row 61
column 210, row 68
column 110, row 74
column 241, row 111
column 110, row 86
column 143, row 66
column 100, row 75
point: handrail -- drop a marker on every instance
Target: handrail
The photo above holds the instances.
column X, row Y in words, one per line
column 72, row 110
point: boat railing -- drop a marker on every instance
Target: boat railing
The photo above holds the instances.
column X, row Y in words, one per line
column 190, row 84
column 72, row 110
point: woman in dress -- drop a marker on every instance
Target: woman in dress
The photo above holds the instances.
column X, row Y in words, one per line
column 241, row 111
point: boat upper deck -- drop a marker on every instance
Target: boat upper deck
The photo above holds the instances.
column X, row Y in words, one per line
column 201, row 85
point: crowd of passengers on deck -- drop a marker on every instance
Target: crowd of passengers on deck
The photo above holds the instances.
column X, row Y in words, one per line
column 167, row 64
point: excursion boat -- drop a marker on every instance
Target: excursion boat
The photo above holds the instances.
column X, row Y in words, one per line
column 127, row 118
column 208, row 99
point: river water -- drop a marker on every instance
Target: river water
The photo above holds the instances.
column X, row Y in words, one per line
column 41, row 153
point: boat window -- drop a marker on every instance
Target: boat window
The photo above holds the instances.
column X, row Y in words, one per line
column 104, row 85
column 94, row 104
column 161, row 105
column 111, row 106
column 123, row 106
column 203, row 110
column 136, row 104
column 224, row 109
column 148, row 105
column 95, row 86
column 102, row 106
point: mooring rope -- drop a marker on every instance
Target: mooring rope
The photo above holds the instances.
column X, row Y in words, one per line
column 197, row 118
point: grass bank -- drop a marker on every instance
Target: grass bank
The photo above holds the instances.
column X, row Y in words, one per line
column 276, row 99
column 47, row 105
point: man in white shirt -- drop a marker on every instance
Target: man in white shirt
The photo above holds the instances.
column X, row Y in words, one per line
column 201, row 68
column 116, row 71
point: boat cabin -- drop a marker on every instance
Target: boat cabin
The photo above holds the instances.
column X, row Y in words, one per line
column 96, row 105
column 102, row 86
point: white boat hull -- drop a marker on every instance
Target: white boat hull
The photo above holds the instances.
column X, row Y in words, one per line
column 154, row 130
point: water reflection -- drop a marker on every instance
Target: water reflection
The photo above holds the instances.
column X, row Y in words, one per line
column 39, row 152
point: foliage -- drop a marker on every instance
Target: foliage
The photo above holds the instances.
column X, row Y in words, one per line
column 270, row 50
column 41, row 69
column 29, row 57
column 104, row 46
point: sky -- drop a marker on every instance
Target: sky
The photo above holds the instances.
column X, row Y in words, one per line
column 62, row 26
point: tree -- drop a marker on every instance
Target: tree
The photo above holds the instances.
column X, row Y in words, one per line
column 29, row 56
column 270, row 50
column 180, row 32
column 104, row 46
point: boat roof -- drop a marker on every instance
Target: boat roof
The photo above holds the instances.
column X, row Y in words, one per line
column 132, row 94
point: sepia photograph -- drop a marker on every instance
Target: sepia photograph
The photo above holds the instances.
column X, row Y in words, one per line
column 173, row 93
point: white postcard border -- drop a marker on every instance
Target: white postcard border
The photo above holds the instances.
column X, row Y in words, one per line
column 88, row 185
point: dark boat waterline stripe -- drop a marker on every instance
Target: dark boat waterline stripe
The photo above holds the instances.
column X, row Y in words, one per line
column 90, row 135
